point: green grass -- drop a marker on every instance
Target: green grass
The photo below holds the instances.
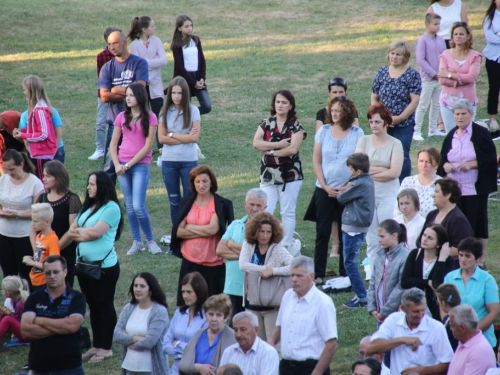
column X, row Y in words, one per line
column 253, row 48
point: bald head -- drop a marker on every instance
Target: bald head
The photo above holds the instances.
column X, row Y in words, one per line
column 117, row 45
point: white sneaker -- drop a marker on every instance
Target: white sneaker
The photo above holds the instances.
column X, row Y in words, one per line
column 437, row 133
column 96, row 155
column 417, row 137
column 153, row 248
column 166, row 239
column 158, row 162
column 198, row 150
column 135, row 248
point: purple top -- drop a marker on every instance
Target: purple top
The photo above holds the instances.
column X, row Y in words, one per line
column 462, row 150
column 18, row 310
column 427, row 51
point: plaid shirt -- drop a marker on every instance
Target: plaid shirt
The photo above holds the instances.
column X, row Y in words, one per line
column 102, row 58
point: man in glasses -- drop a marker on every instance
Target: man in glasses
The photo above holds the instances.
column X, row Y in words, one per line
column 51, row 321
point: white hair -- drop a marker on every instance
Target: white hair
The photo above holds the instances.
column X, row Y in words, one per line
column 256, row 193
column 254, row 322
column 465, row 315
column 304, row 262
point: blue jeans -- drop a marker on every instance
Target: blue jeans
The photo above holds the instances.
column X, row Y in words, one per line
column 405, row 135
column 60, row 154
column 134, row 185
column 71, row 371
column 351, row 255
column 174, row 173
column 100, row 126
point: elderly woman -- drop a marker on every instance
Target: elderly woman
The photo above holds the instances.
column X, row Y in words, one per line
column 262, row 255
column 398, row 86
column 468, row 155
column 423, row 182
column 333, row 143
column 446, row 195
column 458, row 72
column 279, row 138
column 477, row 288
column 203, row 353
column 201, row 221
column 19, row 189
column 386, row 160
column 491, row 28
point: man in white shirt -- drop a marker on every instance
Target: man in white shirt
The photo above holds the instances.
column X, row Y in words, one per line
column 418, row 343
column 306, row 324
column 379, row 357
column 250, row 353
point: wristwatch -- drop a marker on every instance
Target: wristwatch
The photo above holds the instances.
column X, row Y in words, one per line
column 271, row 152
column 170, row 134
column 127, row 166
column 17, row 215
column 449, row 75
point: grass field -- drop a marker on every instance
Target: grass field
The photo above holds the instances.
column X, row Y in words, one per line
column 253, row 48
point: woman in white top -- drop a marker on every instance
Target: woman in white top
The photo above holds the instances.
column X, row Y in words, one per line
column 386, row 161
column 451, row 11
column 491, row 28
column 409, row 207
column 19, row 189
column 142, row 326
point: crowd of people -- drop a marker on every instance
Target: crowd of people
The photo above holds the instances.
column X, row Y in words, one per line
column 248, row 302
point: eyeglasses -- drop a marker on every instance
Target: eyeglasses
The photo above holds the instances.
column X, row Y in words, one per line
column 54, row 272
column 337, row 81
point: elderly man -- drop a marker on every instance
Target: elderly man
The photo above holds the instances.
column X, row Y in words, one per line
column 114, row 78
column 51, row 320
column 230, row 246
column 250, row 353
column 418, row 343
column 363, row 354
column 474, row 355
column 306, row 324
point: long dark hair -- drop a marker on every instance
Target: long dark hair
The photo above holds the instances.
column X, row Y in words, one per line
column 200, row 288
column 155, row 290
column 143, row 103
column 392, row 226
column 185, row 102
column 57, row 169
column 18, row 158
column 490, row 13
column 177, row 39
column 106, row 192
column 138, row 23
column 292, row 114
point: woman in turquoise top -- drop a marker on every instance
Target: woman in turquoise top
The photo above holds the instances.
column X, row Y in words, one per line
column 476, row 287
column 96, row 228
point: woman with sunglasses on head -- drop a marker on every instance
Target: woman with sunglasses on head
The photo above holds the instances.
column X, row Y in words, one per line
column 336, row 87
column 451, row 11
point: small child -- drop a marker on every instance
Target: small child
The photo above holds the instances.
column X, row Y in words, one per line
column 427, row 50
column 47, row 243
column 359, row 201
column 409, row 206
column 16, row 291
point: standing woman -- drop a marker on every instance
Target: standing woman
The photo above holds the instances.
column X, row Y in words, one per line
column 137, row 128
column 386, row 160
column 179, row 132
column 19, row 189
column 491, row 28
column 141, row 327
column 451, row 11
column 458, row 72
column 66, row 206
column 189, row 61
column 202, row 219
column 96, row 228
column 398, row 86
column 279, row 138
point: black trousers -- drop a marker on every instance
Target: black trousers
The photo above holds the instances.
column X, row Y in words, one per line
column 328, row 210
column 475, row 209
column 100, row 295
column 306, row 367
column 12, row 251
column 493, row 71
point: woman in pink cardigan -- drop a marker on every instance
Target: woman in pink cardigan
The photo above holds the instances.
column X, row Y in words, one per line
column 458, row 71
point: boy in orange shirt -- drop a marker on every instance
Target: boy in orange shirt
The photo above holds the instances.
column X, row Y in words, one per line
column 47, row 243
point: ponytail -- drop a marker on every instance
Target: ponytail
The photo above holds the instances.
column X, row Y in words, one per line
column 16, row 285
column 392, row 226
column 138, row 23
column 18, row 158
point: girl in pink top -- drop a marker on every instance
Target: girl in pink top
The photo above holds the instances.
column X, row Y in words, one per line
column 458, row 72
column 16, row 289
column 138, row 126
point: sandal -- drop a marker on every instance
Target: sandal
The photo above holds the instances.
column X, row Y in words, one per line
column 88, row 355
column 318, row 281
column 97, row 358
column 335, row 251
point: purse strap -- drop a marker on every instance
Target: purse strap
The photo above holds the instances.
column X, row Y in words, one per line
column 78, row 246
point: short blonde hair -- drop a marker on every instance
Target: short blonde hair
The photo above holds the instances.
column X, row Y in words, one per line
column 43, row 210
column 403, row 47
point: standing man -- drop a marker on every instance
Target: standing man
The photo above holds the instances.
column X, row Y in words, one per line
column 114, row 78
column 306, row 324
column 51, row 320
column 229, row 248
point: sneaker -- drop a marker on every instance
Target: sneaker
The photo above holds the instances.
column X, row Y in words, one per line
column 198, row 150
column 355, row 303
column 417, row 137
column 97, row 155
column 135, row 248
column 153, row 248
column 166, row 239
column 158, row 162
column 15, row 342
column 437, row 133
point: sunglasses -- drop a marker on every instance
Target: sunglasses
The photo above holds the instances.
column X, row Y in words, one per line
column 338, row 82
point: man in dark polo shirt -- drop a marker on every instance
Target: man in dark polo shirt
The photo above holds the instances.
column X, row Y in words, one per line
column 51, row 321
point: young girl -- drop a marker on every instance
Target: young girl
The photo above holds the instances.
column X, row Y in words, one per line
column 189, row 61
column 427, row 265
column 15, row 290
column 409, row 205
column 179, row 132
column 384, row 291
column 40, row 126
column 137, row 124
column 448, row 297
